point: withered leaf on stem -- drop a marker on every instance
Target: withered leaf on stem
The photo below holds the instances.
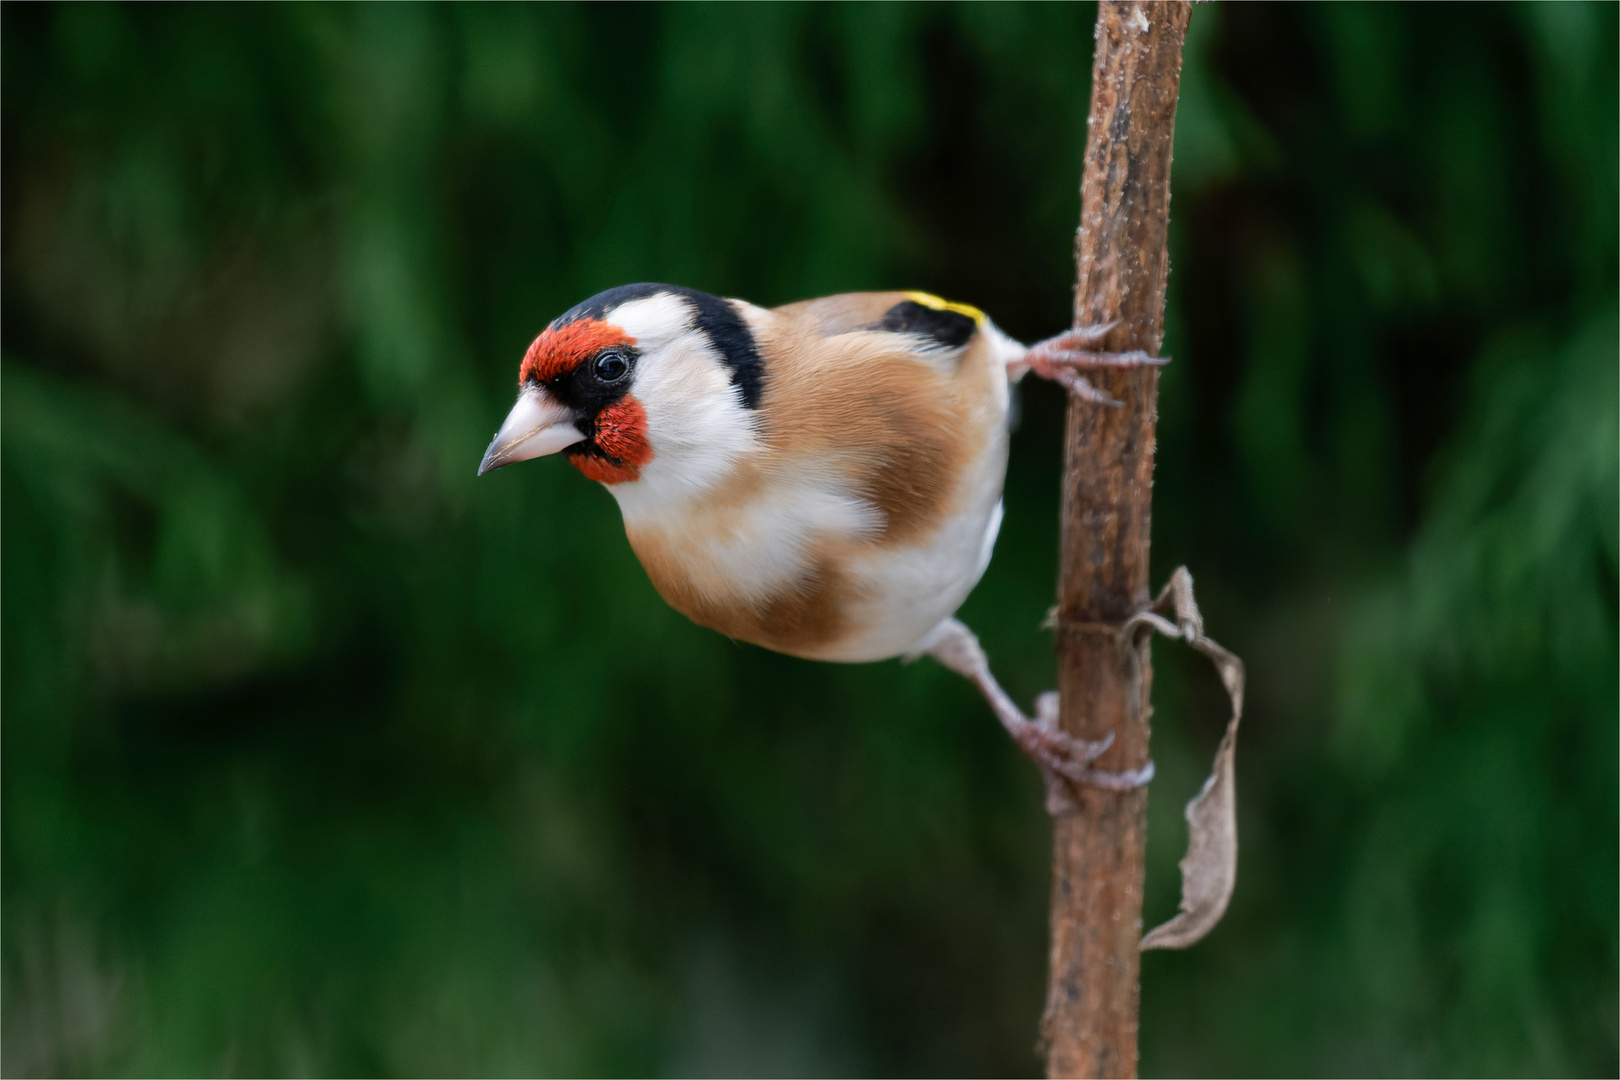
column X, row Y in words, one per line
column 1209, row 869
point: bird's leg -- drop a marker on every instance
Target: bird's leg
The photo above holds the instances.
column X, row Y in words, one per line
column 1060, row 358
column 1063, row 759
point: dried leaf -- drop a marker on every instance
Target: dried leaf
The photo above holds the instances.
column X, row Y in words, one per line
column 1209, row 869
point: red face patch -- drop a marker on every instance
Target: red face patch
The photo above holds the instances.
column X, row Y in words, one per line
column 621, row 432
column 559, row 350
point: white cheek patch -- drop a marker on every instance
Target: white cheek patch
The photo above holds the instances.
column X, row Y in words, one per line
column 696, row 424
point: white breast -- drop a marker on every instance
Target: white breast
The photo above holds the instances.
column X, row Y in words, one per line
column 907, row 591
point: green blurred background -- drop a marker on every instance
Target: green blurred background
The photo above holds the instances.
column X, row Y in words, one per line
column 321, row 757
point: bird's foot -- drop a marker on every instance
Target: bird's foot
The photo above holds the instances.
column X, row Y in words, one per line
column 1061, row 359
column 1065, row 760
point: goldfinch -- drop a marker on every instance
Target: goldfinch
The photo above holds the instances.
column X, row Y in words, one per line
column 822, row 479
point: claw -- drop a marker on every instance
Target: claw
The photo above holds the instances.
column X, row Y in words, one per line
column 1063, row 759
column 1057, row 358
column 1089, row 358
column 1078, row 385
column 1066, row 760
column 1046, row 710
column 1084, row 337
column 1046, row 715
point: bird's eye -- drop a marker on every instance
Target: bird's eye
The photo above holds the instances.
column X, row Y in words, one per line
column 611, row 367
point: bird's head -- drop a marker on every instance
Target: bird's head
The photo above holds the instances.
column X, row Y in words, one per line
column 637, row 380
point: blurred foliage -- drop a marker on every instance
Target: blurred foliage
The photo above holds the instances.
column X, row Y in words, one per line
column 321, row 757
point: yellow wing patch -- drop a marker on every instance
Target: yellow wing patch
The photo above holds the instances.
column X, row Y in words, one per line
column 929, row 300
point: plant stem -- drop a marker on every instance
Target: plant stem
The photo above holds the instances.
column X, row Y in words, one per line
column 1093, row 993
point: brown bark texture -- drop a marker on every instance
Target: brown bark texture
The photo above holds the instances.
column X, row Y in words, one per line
column 1093, row 992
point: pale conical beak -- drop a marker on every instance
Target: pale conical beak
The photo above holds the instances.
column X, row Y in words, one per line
column 536, row 426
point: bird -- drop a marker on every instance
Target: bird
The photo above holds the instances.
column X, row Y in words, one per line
column 822, row 479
